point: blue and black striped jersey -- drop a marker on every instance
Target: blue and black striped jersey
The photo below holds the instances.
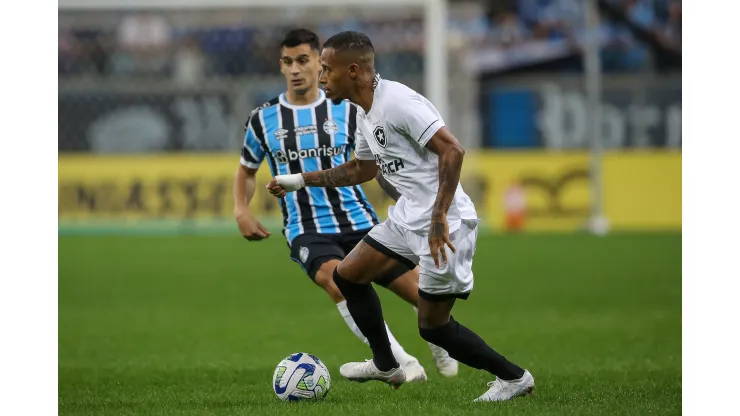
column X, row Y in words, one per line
column 297, row 139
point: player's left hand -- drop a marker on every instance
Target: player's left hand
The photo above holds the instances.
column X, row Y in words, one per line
column 439, row 237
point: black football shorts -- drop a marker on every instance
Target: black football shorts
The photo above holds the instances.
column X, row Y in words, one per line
column 312, row 250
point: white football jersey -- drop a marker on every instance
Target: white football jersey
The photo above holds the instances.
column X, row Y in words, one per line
column 394, row 133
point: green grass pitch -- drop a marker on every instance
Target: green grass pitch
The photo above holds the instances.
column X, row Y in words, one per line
column 195, row 325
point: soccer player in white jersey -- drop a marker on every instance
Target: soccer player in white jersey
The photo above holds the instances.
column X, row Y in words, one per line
column 302, row 131
column 433, row 224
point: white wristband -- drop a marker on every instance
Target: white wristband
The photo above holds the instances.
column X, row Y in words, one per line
column 292, row 182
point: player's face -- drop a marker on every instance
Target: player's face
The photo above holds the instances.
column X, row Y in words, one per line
column 300, row 65
column 334, row 76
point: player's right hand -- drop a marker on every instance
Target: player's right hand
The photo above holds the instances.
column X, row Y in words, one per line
column 439, row 240
column 250, row 228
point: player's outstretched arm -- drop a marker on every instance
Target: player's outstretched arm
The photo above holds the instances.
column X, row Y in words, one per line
column 354, row 172
column 451, row 154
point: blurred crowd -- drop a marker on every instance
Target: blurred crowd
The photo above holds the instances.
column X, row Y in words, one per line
column 191, row 46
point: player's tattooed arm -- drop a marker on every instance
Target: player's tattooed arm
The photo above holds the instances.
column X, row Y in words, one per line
column 451, row 154
column 354, row 172
column 350, row 173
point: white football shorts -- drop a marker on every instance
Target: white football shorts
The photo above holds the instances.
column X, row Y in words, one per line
column 451, row 280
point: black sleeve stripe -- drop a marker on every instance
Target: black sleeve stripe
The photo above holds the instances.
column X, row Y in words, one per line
column 259, row 131
column 247, row 155
column 425, row 130
column 251, row 152
column 254, row 120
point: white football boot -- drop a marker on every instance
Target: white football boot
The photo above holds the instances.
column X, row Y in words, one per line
column 366, row 371
column 446, row 365
column 500, row 390
column 414, row 371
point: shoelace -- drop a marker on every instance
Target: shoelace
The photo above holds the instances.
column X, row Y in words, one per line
column 491, row 383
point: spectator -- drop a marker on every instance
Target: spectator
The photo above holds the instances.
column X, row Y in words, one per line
column 90, row 52
column 67, row 52
column 670, row 32
column 188, row 63
column 144, row 41
column 508, row 30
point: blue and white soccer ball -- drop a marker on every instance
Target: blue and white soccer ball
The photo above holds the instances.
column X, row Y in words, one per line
column 301, row 376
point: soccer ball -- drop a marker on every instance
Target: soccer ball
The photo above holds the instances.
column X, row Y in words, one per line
column 301, row 376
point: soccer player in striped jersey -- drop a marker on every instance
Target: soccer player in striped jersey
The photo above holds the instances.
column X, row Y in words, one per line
column 301, row 131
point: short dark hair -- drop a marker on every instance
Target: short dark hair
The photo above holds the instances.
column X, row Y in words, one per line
column 299, row 37
column 350, row 41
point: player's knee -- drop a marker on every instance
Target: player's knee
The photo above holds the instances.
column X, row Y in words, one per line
column 325, row 280
column 434, row 314
column 351, row 274
column 427, row 321
column 437, row 334
column 341, row 271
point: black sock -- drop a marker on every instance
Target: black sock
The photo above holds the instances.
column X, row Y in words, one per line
column 467, row 347
column 364, row 306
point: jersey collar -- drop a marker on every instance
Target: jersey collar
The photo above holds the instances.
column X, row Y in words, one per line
column 284, row 102
column 376, row 83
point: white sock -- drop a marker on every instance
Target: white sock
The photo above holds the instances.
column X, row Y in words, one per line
column 401, row 355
